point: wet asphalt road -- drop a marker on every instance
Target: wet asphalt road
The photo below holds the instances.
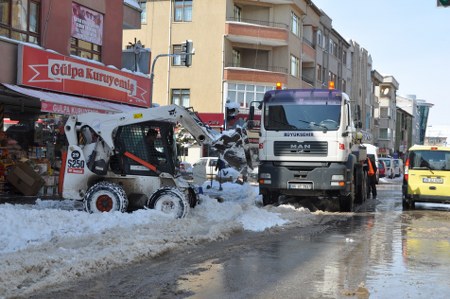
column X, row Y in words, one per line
column 378, row 252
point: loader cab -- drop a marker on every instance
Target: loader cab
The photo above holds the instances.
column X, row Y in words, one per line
column 138, row 145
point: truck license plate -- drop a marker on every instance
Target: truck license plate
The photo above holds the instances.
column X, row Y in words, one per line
column 304, row 186
column 433, row 180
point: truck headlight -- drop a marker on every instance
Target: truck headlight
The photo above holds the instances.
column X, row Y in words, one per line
column 337, row 177
column 264, row 175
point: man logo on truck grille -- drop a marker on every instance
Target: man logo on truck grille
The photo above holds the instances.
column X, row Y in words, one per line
column 300, row 148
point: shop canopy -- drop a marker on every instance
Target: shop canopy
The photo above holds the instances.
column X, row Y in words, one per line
column 67, row 104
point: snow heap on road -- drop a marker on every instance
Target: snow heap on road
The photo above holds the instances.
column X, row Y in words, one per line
column 54, row 241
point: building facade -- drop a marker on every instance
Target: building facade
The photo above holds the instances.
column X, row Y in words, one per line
column 61, row 58
column 386, row 114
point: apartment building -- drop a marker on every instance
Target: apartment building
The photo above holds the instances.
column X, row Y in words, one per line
column 386, row 114
column 242, row 49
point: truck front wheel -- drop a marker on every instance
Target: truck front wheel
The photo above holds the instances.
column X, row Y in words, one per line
column 270, row 198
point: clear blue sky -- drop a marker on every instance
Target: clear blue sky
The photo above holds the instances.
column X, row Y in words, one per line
column 409, row 39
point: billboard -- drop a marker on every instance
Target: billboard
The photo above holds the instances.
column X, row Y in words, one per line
column 52, row 71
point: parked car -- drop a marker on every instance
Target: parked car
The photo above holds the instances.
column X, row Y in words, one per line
column 427, row 176
column 207, row 165
column 381, row 169
column 389, row 163
column 398, row 167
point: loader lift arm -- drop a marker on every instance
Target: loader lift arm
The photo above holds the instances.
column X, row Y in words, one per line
column 232, row 146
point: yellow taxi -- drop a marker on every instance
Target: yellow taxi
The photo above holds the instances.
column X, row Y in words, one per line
column 426, row 175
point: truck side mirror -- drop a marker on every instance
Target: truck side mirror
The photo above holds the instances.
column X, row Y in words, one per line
column 251, row 114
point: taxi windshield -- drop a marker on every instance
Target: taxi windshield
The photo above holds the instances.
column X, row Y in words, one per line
column 433, row 160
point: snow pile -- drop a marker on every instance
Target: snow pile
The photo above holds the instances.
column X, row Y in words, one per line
column 54, row 241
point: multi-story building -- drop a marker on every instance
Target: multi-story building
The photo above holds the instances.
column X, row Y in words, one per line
column 386, row 114
column 403, row 132
column 423, row 110
column 242, row 49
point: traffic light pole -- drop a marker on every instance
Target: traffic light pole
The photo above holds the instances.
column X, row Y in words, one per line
column 152, row 71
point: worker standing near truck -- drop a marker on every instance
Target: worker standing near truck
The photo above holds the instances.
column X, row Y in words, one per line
column 372, row 170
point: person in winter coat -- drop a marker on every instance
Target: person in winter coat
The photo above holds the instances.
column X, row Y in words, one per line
column 371, row 173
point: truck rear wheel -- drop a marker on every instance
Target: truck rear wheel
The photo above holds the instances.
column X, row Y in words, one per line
column 363, row 188
column 169, row 201
column 270, row 198
column 105, row 197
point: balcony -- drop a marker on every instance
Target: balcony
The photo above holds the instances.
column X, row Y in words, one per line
column 256, row 32
column 308, row 51
column 261, row 74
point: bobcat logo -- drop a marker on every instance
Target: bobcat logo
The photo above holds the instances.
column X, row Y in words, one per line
column 172, row 112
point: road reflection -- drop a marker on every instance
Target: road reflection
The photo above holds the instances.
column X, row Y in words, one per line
column 393, row 254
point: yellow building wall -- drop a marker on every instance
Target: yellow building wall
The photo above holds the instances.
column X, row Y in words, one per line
column 204, row 77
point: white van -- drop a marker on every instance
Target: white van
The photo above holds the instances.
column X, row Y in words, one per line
column 389, row 162
column 372, row 152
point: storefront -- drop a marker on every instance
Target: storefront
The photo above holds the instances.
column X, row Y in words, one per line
column 48, row 88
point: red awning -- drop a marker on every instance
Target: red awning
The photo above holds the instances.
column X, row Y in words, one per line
column 212, row 119
column 67, row 104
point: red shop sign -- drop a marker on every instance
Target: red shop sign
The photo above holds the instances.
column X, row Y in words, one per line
column 48, row 70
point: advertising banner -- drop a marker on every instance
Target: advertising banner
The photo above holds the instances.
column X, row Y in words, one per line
column 87, row 24
column 52, row 71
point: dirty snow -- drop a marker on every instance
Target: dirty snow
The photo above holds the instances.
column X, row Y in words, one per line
column 51, row 241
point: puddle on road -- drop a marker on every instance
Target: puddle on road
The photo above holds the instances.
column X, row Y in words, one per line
column 384, row 253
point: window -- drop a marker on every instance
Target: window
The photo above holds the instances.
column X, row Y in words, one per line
column 237, row 13
column 384, row 112
column 181, row 97
column 384, row 134
column 236, row 58
column 19, row 20
column 319, row 73
column 295, row 66
column 295, row 24
column 176, row 60
column 183, row 11
column 319, row 38
column 245, row 93
column 143, row 5
column 84, row 49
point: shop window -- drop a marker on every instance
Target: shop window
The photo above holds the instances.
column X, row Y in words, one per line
column 85, row 49
column 181, row 97
column 244, row 94
column 19, row 20
column 183, row 11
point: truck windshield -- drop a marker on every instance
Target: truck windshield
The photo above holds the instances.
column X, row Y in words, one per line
column 308, row 116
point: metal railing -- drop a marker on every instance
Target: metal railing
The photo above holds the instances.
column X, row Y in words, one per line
column 270, row 68
column 259, row 22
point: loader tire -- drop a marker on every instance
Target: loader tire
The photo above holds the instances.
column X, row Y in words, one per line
column 105, row 197
column 169, row 201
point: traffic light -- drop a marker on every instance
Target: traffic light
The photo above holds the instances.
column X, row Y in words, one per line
column 187, row 50
column 444, row 3
column 231, row 112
